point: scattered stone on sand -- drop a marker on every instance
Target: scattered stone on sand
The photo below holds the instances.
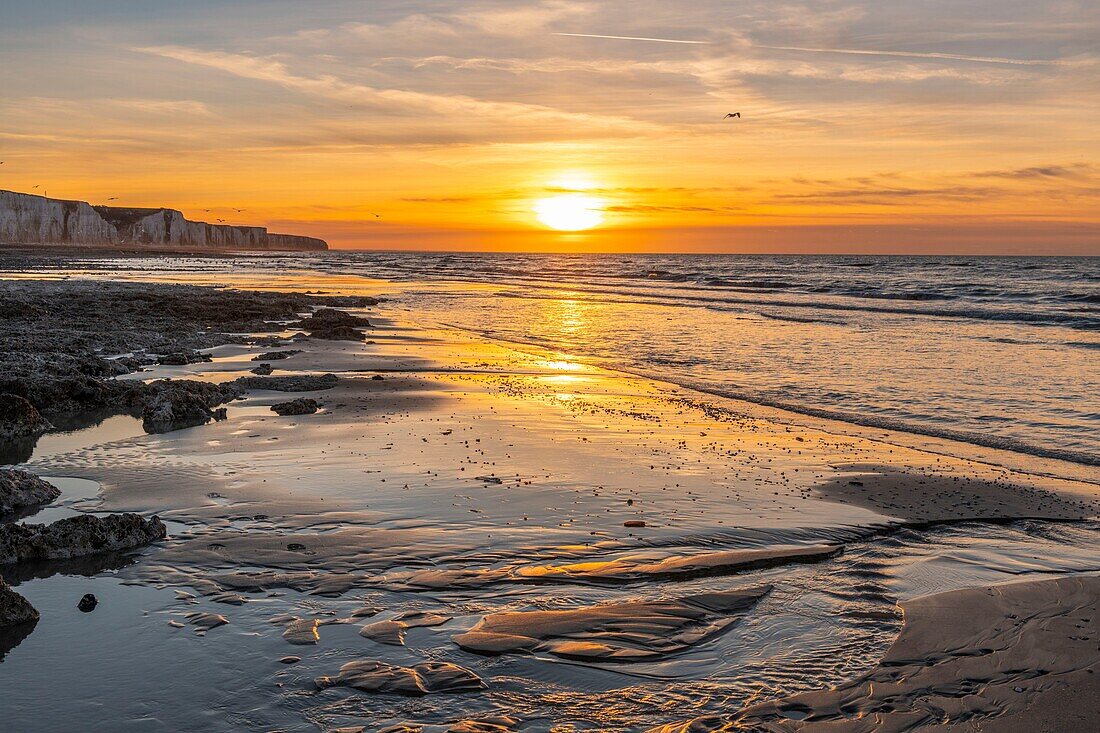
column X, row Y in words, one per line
column 14, row 608
column 1006, row 658
column 634, row 523
column 182, row 358
column 629, row 631
column 21, row 489
column 87, row 603
column 77, row 537
column 20, row 419
column 262, row 370
column 276, row 355
column 203, row 622
column 377, row 378
column 300, row 406
column 288, row 383
column 392, row 631
column 421, row 679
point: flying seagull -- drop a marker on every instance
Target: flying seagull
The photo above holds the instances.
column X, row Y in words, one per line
column 732, row 114
column 113, row 198
column 238, row 210
column 377, row 216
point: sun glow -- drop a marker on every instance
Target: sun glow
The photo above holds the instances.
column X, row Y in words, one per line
column 570, row 212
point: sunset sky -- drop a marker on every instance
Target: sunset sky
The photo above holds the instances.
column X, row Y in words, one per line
column 886, row 125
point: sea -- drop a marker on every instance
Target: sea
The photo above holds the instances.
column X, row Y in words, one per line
column 1002, row 352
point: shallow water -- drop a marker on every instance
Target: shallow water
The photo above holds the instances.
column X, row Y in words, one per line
column 386, row 481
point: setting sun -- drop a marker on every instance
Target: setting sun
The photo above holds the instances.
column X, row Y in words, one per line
column 569, row 212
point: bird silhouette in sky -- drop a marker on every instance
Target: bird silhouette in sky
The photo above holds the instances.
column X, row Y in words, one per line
column 732, row 114
column 113, row 198
column 377, row 216
column 238, row 210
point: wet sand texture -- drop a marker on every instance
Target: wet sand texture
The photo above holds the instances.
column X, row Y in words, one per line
column 1017, row 658
column 637, row 567
column 936, row 498
column 374, row 676
column 613, row 632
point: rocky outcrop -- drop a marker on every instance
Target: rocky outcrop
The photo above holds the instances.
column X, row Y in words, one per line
column 300, row 406
column 21, row 489
column 176, row 404
column 77, row 537
column 19, row 419
column 14, row 608
column 333, row 325
column 289, row 383
column 28, row 219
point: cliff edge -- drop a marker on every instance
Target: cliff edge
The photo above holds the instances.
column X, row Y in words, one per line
column 29, row 219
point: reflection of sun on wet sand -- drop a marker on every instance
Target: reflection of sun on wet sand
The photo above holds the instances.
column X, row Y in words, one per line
column 453, row 499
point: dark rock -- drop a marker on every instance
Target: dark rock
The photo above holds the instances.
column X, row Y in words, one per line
column 333, row 325
column 87, row 603
column 377, row 378
column 289, row 383
column 276, row 355
column 300, row 406
column 77, row 537
column 174, row 410
column 182, row 358
column 19, row 418
column 337, row 333
column 263, row 370
column 329, row 318
column 14, row 608
column 219, row 414
column 20, row 489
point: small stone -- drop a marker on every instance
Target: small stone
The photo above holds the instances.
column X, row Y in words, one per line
column 377, row 378
column 263, row 369
column 87, row 603
column 634, row 523
column 290, row 660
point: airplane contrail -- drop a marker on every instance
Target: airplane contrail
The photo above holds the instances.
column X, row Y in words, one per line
column 631, row 38
column 919, row 55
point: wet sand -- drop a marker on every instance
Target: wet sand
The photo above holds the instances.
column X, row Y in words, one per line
column 475, row 484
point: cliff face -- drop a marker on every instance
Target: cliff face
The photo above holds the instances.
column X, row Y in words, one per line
column 27, row 219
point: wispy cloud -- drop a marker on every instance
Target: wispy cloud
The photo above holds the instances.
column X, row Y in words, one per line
column 634, row 38
column 919, row 55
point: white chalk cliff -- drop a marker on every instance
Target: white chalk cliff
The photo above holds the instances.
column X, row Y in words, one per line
column 28, row 219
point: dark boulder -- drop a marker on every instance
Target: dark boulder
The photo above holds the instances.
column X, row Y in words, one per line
column 77, row 537
column 14, row 608
column 20, row 419
column 87, row 603
column 263, row 370
column 21, row 489
column 276, row 355
column 169, row 404
column 182, row 358
column 289, row 383
column 300, row 406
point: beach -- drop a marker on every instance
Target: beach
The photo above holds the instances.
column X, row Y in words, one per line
column 476, row 534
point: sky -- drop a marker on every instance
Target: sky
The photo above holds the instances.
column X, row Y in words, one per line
column 891, row 126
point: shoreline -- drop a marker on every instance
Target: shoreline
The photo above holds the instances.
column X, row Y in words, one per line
column 487, row 467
